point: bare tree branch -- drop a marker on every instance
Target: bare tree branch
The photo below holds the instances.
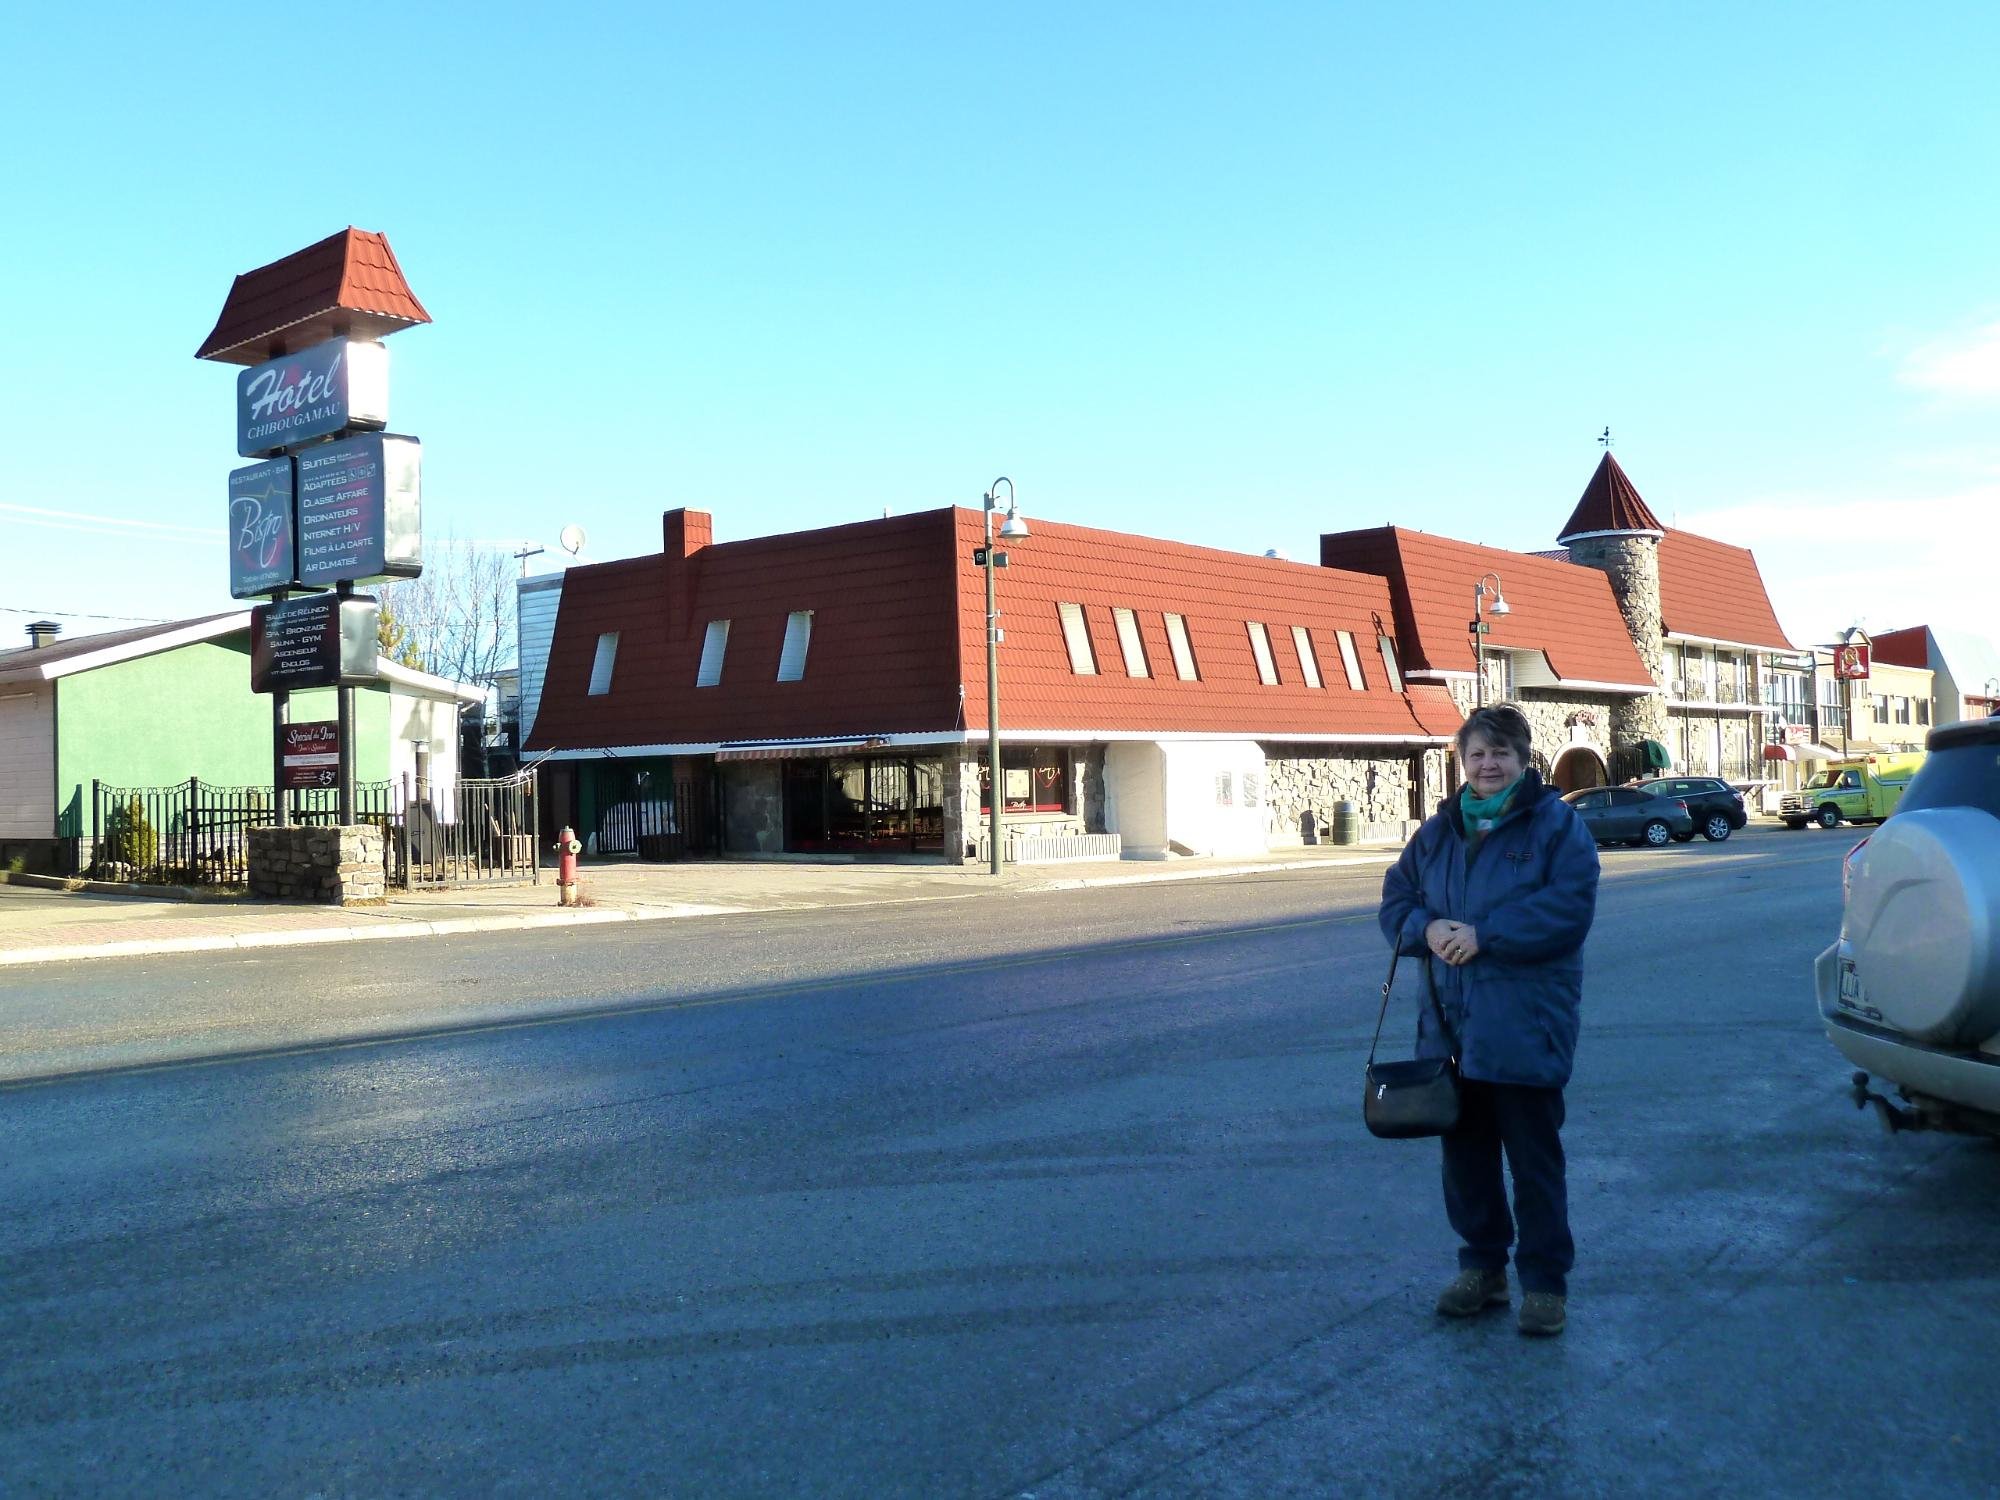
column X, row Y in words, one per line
column 459, row 615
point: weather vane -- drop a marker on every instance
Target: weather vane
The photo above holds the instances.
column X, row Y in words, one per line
column 1604, row 439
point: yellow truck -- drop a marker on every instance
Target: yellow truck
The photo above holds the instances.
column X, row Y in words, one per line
column 1865, row 789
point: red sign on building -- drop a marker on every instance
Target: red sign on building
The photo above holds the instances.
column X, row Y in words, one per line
column 312, row 754
column 1850, row 662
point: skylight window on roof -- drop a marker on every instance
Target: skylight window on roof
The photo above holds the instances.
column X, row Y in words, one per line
column 1183, row 649
column 1390, row 664
column 1076, row 636
column 1351, row 660
column 713, row 645
column 798, row 637
column 1308, row 661
column 602, row 663
column 1133, row 649
column 1260, row 647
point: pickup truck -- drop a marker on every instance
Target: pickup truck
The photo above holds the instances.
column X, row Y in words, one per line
column 1863, row 790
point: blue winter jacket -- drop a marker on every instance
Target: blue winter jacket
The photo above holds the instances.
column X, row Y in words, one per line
column 1530, row 891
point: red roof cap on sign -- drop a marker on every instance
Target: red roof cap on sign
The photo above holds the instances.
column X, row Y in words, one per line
column 1609, row 503
column 348, row 283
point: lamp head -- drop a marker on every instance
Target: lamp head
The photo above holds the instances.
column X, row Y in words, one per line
column 1013, row 529
column 1499, row 605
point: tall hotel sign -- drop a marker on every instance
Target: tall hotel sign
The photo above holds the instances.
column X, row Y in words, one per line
column 332, row 501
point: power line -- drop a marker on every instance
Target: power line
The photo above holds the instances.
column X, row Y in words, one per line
column 71, row 614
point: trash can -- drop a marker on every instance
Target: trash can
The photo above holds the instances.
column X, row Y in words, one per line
column 1346, row 823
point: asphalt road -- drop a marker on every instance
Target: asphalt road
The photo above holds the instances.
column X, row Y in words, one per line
column 1051, row 1194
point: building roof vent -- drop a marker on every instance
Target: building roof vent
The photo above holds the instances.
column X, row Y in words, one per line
column 42, row 633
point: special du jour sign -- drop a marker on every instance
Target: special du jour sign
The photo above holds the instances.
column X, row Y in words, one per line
column 331, row 387
column 360, row 510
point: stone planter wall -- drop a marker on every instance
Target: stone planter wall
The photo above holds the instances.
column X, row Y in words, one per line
column 325, row 865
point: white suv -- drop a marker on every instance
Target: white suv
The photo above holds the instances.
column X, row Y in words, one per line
column 1911, row 992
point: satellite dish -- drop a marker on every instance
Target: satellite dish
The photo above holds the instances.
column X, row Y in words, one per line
column 572, row 539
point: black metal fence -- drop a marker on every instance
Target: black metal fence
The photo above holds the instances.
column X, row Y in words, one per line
column 197, row 833
column 654, row 827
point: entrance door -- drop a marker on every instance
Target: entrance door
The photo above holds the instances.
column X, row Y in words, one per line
column 1576, row 768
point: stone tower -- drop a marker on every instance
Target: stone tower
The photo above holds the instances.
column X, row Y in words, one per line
column 1613, row 530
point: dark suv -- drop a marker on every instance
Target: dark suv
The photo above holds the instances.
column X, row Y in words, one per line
column 1717, row 806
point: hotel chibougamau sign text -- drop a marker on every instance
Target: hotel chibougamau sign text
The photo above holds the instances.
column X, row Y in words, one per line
column 331, row 387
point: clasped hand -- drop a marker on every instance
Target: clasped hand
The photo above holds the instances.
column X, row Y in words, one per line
column 1454, row 942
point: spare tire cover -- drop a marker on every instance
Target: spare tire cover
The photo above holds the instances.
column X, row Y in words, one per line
column 1923, row 917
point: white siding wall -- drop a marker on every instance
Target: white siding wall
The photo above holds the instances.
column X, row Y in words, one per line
column 27, row 761
column 536, row 601
column 413, row 720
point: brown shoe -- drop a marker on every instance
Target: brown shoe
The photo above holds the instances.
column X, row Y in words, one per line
column 1472, row 1292
column 1542, row 1314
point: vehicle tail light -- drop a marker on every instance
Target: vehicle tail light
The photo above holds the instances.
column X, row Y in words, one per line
column 1847, row 868
column 1681, row 803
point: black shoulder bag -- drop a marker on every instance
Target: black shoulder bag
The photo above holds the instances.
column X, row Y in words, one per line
column 1418, row 1097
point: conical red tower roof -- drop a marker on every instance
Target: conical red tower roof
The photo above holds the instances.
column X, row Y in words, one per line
column 346, row 283
column 1610, row 503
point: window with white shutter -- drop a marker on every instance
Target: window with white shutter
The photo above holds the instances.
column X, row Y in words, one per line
column 798, row 636
column 1129, row 644
column 1182, row 647
column 713, row 645
column 1308, row 659
column 1260, row 647
column 1351, row 660
column 602, row 663
column 1076, row 636
column 1390, row 664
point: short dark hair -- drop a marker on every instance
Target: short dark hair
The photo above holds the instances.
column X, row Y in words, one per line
column 1499, row 724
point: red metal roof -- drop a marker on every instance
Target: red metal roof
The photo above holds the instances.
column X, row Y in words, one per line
column 898, row 644
column 1218, row 593
column 346, row 283
column 1564, row 611
column 1910, row 647
column 1609, row 503
column 1711, row 589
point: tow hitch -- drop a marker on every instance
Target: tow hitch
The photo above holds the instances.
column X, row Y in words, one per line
column 1894, row 1116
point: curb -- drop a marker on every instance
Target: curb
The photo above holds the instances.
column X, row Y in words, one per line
column 1361, row 858
column 372, row 932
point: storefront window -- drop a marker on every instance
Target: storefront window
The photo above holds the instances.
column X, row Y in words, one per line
column 874, row 803
column 1036, row 780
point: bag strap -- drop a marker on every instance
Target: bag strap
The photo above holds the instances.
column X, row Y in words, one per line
column 1430, row 991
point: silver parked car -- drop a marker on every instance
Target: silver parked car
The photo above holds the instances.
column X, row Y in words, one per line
column 1911, row 992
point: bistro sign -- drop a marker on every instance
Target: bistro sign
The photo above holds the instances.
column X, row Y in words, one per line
column 331, row 387
column 260, row 529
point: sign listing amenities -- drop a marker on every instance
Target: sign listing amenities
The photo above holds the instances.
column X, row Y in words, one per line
column 360, row 510
column 331, row 387
column 260, row 528
column 313, row 641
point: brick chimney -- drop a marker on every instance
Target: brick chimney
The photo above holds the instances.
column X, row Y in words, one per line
column 683, row 534
column 43, row 633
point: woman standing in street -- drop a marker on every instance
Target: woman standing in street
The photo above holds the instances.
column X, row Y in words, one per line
column 1500, row 885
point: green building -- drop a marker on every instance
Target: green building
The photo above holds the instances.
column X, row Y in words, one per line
column 162, row 704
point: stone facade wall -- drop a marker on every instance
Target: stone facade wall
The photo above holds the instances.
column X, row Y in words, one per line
column 1633, row 565
column 965, row 823
column 327, row 865
column 1559, row 720
column 1303, row 782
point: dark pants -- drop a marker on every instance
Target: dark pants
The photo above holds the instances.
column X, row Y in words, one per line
column 1527, row 1123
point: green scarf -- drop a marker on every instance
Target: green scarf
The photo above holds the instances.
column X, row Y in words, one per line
column 1481, row 813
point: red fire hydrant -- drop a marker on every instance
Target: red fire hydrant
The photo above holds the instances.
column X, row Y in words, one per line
column 567, row 849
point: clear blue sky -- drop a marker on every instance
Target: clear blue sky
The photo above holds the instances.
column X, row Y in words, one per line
column 1229, row 274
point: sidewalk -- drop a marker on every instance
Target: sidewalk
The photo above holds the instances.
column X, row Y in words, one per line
column 39, row 924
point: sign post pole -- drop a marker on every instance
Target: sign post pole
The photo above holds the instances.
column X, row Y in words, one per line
column 344, row 696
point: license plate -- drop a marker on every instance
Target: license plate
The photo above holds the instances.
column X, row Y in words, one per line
column 1850, row 983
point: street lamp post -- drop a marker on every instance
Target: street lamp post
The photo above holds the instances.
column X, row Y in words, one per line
column 1993, row 697
column 1012, row 529
column 1479, row 632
